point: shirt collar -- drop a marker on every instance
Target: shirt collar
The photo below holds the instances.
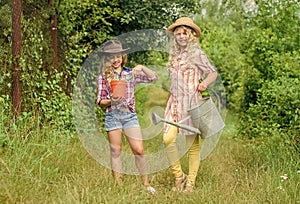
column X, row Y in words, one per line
column 126, row 69
column 179, row 51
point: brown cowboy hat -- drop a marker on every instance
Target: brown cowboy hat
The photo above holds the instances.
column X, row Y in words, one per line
column 185, row 21
column 113, row 47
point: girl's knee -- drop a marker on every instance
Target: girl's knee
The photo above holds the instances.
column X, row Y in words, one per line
column 115, row 150
column 138, row 151
column 193, row 142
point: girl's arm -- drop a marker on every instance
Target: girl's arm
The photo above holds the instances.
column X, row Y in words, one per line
column 205, row 66
column 104, row 103
column 211, row 77
column 103, row 100
column 140, row 68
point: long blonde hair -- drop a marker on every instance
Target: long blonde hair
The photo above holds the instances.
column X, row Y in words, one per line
column 192, row 46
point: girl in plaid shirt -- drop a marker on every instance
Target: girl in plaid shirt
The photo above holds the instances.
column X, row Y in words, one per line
column 188, row 64
column 120, row 111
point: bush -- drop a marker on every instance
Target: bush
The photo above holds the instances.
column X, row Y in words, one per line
column 277, row 111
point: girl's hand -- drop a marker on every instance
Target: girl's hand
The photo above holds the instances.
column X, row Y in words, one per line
column 137, row 70
column 211, row 77
column 115, row 100
column 202, row 86
column 140, row 68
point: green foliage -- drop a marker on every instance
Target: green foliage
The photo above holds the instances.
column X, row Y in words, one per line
column 5, row 44
column 221, row 43
column 257, row 54
column 276, row 110
column 145, row 14
column 271, row 33
column 88, row 22
column 41, row 83
column 5, row 11
column 272, row 90
column 5, row 118
column 84, row 25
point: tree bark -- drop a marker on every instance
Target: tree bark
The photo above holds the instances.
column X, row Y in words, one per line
column 16, row 54
column 54, row 34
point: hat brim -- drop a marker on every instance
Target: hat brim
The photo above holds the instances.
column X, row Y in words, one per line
column 115, row 51
column 193, row 26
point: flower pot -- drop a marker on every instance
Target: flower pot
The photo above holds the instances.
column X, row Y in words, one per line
column 118, row 88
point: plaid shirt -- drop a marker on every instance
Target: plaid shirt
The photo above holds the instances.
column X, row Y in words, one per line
column 104, row 89
column 185, row 75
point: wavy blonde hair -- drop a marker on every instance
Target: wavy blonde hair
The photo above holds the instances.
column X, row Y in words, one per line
column 192, row 45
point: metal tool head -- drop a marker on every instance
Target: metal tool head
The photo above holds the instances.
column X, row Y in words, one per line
column 156, row 119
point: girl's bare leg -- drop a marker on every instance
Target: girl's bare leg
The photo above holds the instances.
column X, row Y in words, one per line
column 115, row 141
column 134, row 138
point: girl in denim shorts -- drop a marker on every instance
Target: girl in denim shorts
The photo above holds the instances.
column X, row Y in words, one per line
column 119, row 102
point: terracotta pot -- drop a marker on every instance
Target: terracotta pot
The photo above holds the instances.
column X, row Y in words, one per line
column 118, row 88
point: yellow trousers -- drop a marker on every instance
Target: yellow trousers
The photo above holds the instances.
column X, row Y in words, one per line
column 192, row 143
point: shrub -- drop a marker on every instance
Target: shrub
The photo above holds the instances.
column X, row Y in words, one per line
column 277, row 111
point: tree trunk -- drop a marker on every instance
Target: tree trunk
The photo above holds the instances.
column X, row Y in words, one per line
column 54, row 34
column 16, row 54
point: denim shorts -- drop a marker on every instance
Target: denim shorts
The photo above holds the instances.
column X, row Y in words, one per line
column 120, row 119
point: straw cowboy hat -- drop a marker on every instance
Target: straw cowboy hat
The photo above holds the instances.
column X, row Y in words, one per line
column 112, row 47
column 185, row 21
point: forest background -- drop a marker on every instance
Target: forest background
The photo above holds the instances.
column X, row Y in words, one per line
column 254, row 45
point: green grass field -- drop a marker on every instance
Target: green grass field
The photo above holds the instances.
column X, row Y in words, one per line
column 43, row 166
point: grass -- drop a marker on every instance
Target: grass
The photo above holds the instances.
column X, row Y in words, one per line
column 45, row 166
